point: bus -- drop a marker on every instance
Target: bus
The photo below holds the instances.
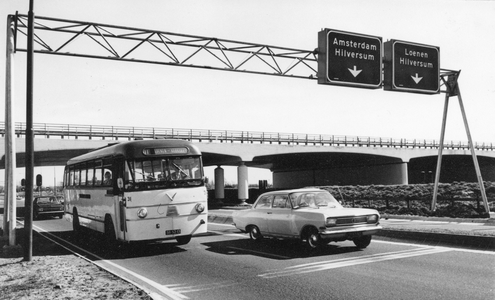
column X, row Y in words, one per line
column 147, row 190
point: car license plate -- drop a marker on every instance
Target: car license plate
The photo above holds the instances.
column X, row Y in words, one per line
column 174, row 231
column 354, row 235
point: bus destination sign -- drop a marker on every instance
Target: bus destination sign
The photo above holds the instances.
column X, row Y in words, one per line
column 411, row 67
column 164, row 150
column 349, row 59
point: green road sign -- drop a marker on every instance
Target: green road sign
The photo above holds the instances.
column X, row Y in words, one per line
column 349, row 59
column 411, row 67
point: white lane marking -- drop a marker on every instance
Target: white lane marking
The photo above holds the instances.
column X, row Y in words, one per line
column 259, row 252
column 347, row 262
column 170, row 294
column 182, row 288
column 229, row 234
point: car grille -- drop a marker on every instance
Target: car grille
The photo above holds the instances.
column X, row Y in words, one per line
column 351, row 220
column 47, row 209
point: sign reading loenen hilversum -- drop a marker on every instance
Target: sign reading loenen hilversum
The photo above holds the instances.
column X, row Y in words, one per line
column 349, row 59
column 411, row 67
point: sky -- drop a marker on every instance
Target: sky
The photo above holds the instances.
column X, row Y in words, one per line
column 70, row 90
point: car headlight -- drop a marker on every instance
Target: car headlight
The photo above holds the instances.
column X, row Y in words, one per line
column 331, row 222
column 199, row 208
column 372, row 218
column 142, row 212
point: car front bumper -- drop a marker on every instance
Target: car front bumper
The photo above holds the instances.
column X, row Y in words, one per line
column 348, row 233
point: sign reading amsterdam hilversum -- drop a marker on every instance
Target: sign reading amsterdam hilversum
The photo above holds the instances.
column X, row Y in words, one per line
column 349, row 59
column 411, row 67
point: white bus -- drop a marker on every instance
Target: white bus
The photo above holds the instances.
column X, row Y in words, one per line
column 138, row 191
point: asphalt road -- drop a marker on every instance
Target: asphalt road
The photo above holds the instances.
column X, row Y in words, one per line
column 225, row 264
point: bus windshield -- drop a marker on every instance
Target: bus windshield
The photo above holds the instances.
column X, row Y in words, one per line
column 162, row 172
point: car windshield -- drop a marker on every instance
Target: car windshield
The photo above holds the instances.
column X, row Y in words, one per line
column 48, row 200
column 314, row 200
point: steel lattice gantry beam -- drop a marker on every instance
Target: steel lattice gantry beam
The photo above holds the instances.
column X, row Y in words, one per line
column 92, row 40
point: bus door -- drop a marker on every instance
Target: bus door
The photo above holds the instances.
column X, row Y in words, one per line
column 120, row 201
column 120, row 207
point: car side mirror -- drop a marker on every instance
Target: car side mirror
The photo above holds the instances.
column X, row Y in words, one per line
column 120, row 183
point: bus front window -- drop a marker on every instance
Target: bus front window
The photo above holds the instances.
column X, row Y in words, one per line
column 163, row 173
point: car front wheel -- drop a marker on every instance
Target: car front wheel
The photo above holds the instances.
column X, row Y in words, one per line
column 362, row 242
column 313, row 239
column 255, row 234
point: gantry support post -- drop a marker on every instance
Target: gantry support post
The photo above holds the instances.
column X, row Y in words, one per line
column 28, row 204
column 9, row 210
column 453, row 90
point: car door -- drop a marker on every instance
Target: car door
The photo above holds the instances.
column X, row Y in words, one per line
column 280, row 218
column 261, row 213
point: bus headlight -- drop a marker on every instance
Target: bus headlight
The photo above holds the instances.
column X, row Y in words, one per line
column 142, row 212
column 200, row 208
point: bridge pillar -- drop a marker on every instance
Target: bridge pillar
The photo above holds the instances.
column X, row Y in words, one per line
column 403, row 173
column 242, row 183
column 219, row 184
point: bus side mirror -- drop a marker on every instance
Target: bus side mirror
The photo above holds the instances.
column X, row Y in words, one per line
column 120, row 183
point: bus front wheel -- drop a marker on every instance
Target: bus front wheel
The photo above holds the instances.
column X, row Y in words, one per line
column 110, row 235
column 182, row 240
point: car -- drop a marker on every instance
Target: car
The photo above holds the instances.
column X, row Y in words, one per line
column 312, row 215
column 47, row 206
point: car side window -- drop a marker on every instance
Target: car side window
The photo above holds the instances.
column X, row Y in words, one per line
column 280, row 201
column 264, row 202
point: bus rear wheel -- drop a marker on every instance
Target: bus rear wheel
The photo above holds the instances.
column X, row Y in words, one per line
column 76, row 226
column 182, row 240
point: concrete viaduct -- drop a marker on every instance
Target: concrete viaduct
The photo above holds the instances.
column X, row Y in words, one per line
column 295, row 160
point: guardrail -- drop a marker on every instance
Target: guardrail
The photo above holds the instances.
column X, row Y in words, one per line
column 132, row 133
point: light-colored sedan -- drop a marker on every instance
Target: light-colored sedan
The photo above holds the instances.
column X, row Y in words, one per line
column 312, row 215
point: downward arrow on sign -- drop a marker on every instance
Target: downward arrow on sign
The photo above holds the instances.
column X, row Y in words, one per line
column 354, row 72
column 417, row 79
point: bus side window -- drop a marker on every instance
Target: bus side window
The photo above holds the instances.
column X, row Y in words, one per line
column 71, row 176
column 107, row 172
column 76, row 176
column 84, row 173
column 91, row 174
column 107, row 177
column 98, row 173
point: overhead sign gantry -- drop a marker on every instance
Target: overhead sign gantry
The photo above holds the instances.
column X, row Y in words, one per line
column 343, row 58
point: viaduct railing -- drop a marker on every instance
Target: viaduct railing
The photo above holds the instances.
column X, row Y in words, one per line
column 229, row 136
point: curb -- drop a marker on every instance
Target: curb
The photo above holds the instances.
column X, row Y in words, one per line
column 486, row 221
column 441, row 239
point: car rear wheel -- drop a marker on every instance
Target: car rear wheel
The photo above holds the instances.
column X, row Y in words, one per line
column 362, row 242
column 255, row 233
